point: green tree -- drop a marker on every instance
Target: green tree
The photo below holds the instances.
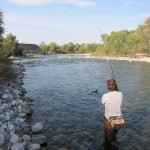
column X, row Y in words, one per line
column 81, row 48
column 91, row 48
column 53, row 48
column 43, row 46
column 144, row 31
column 10, row 46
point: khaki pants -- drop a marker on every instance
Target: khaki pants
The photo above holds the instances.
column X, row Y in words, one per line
column 110, row 132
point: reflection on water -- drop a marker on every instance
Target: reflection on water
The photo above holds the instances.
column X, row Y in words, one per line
column 67, row 90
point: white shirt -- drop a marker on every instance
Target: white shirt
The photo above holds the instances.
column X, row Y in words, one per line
column 113, row 103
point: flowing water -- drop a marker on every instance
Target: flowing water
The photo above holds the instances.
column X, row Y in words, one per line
column 67, row 89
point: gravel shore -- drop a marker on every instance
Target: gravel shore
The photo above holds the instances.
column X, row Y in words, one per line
column 130, row 59
column 15, row 107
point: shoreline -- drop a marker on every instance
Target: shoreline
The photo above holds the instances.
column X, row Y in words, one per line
column 129, row 59
column 15, row 108
column 137, row 58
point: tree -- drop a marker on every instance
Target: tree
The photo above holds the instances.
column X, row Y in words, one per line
column 80, row 48
column 43, row 46
column 91, row 48
column 53, row 48
column 144, row 31
column 10, row 46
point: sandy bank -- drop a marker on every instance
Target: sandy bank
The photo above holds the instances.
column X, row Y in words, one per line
column 130, row 59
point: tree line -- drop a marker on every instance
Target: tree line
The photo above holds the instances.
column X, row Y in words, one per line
column 120, row 43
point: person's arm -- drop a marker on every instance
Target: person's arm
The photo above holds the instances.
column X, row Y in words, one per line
column 103, row 99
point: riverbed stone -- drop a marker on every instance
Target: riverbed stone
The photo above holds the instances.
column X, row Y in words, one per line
column 26, row 138
column 5, row 96
column 37, row 127
column 17, row 146
column 1, row 123
column 11, row 127
column 1, row 139
column 2, row 108
column 34, row 147
column 2, row 117
column 25, row 144
column 2, row 131
column 39, row 139
column 27, row 109
column 7, row 118
column 22, row 115
column 14, row 138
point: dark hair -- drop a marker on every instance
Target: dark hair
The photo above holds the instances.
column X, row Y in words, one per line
column 112, row 85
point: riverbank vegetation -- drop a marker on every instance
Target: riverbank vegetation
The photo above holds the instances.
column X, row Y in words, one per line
column 118, row 43
column 8, row 47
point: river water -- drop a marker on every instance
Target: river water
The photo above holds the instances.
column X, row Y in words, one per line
column 67, row 89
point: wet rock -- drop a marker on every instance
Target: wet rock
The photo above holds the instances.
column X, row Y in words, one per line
column 2, row 108
column 34, row 147
column 26, row 138
column 27, row 109
column 5, row 96
column 14, row 138
column 1, row 123
column 22, row 115
column 17, row 146
column 25, row 144
column 11, row 128
column 1, row 139
column 39, row 139
column 37, row 127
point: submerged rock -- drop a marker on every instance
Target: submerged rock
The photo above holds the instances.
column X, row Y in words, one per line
column 39, row 139
column 27, row 109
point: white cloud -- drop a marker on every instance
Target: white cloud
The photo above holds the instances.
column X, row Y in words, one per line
column 78, row 3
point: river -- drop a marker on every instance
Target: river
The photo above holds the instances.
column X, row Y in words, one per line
column 67, row 89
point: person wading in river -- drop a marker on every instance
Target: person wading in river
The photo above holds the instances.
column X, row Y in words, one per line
column 113, row 115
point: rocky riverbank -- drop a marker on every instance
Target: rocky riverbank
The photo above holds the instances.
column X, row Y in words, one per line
column 15, row 107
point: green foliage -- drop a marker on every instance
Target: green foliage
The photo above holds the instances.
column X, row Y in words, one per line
column 80, row 49
column 1, row 23
column 6, row 69
column 10, row 46
column 53, row 48
column 43, row 46
column 144, row 32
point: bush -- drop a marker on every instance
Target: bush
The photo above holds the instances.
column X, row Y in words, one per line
column 7, row 72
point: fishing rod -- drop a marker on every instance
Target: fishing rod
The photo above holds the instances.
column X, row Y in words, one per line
column 108, row 55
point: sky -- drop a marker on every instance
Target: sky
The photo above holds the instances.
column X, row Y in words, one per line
column 64, row 21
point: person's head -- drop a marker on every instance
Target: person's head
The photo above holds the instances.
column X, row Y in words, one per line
column 112, row 85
